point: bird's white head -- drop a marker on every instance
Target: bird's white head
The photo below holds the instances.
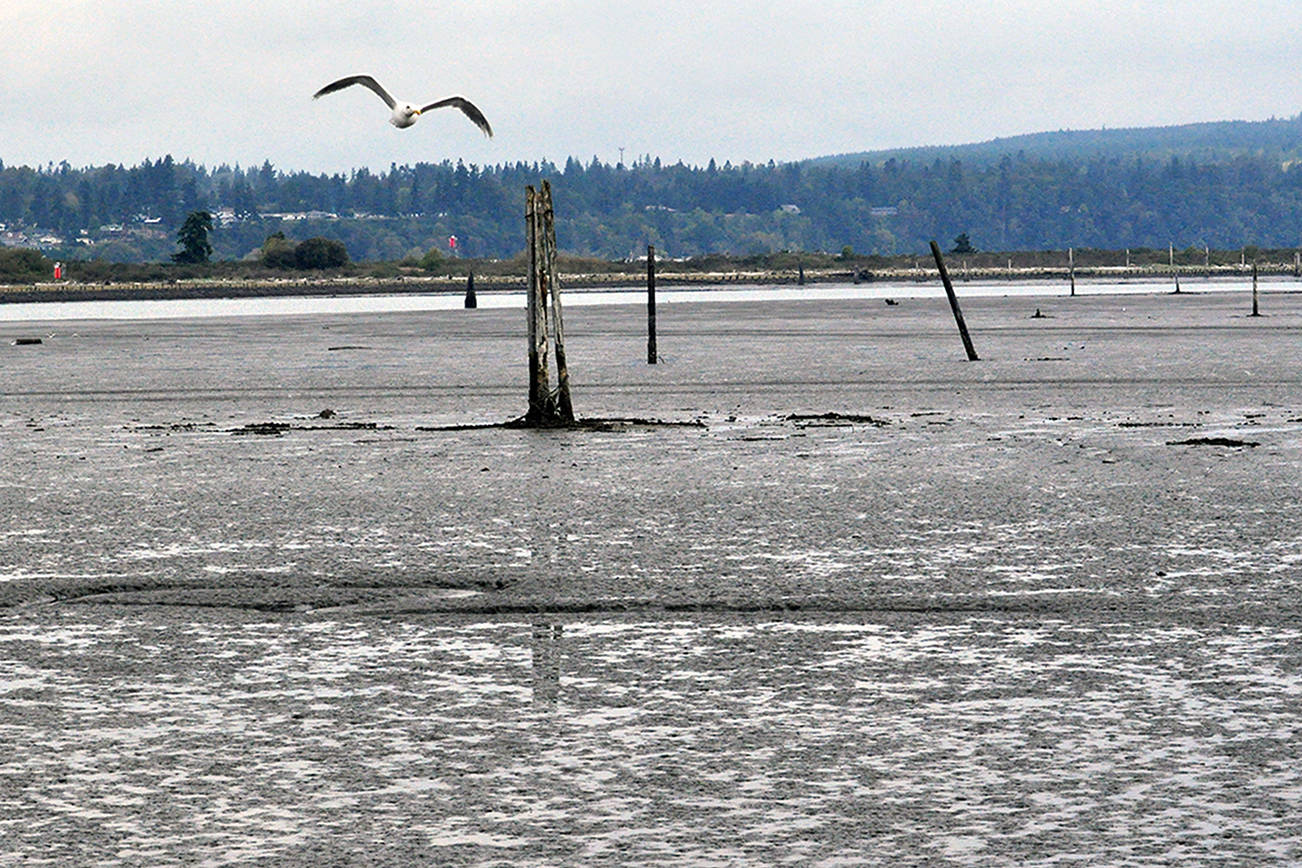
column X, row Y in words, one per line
column 404, row 115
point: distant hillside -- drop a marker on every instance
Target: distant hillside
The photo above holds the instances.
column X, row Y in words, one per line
column 1216, row 141
column 1223, row 185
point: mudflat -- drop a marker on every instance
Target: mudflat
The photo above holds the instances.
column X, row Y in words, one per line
column 846, row 455
column 1075, row 558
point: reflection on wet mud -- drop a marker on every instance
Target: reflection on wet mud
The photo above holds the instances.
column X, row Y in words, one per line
column 146, row 739
column 548, row 656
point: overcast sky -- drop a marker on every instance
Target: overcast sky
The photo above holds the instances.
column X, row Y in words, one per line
column 230, row 81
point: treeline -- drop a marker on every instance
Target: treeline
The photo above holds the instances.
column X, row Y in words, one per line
column 613, row 211
column 1214, row 141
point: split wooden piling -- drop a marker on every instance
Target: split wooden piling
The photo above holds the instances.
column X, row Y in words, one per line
column 651, row 353
column 545, row 406
column 536, row 313
column 564, row 409
column 953, row 303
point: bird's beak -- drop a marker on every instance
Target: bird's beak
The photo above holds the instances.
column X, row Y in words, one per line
column 415, row 111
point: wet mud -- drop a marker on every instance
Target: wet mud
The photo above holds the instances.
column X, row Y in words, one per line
column 859, row 600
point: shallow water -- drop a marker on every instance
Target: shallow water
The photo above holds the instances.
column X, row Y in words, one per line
column 146, row 737
column 412, row 302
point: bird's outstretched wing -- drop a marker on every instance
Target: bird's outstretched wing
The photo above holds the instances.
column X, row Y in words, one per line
column 467, row 107
column 363, row 80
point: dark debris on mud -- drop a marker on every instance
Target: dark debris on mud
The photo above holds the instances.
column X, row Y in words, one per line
column 278, row 429
column 1214, row 441
column 591, row 424
column 805, row 420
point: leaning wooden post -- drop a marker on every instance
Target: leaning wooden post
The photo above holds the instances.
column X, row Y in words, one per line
column 953, row 303
column 564, row 409
column 651, row 354
column 1255, row 312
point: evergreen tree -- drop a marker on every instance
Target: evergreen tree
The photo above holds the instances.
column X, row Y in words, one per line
column 193, row 238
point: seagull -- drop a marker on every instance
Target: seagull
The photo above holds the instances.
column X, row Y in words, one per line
column 404, row 114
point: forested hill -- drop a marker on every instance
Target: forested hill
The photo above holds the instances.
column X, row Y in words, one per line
column 1216, row 141
column 1223, row 185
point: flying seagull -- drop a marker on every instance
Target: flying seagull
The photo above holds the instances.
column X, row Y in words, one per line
column 404, row 114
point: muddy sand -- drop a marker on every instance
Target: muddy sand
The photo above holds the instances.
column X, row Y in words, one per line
column 269, row 593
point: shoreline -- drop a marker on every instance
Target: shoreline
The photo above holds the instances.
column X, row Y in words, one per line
column 70, row 291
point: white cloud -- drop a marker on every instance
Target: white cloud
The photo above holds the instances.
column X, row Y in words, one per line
column 93, row 81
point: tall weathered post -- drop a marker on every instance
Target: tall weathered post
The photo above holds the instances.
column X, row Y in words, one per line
column 953, row 303
column 545, row 407
column 1255, row 312
column 1071, row 269
column 651, row 354
column 563, row 410
column 537, row 314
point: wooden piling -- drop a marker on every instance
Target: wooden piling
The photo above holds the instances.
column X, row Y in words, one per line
column 1071, row 269
column 953, row 303
column 471, row 301
column 537, row 391
column 651, row 354
column 545, row 407
column 540, row 404
column 563, row 408
column 1255, row 311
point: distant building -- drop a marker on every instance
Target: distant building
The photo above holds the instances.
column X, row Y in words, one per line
column 789, row 209
column 884, row 211
column 290, row 216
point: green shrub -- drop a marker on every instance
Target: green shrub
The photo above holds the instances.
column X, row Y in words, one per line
column 320, row 253
column 432, row 261
column 24, row 264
